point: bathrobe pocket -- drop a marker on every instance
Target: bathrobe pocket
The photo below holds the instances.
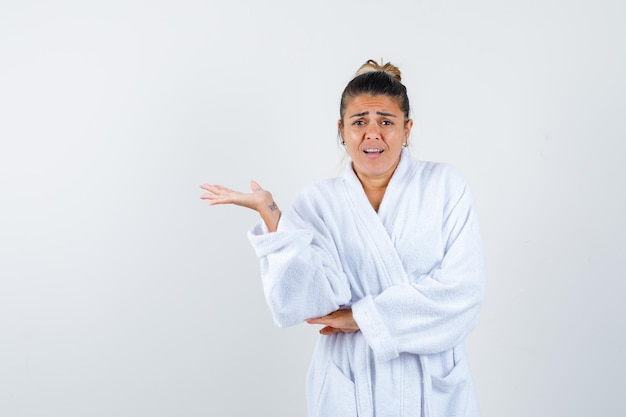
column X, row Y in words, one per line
column 337, row 395
column 451, row 392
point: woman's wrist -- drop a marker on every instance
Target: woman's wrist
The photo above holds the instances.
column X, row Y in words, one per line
column 270, row 213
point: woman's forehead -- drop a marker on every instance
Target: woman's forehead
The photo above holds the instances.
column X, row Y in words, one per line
column 362, row 103
column 367, row 101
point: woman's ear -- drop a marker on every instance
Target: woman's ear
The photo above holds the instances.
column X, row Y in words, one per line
column 407, row 128
column 408, row 125
column 340, row 130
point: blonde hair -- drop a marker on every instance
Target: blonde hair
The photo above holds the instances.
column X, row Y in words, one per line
column 373, row 66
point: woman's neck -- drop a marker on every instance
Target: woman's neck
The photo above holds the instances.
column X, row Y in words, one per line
column 374, row 189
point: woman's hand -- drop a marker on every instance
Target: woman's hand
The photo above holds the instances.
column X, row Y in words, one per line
column 259, row 199
column 221, row 195
column 340, row 321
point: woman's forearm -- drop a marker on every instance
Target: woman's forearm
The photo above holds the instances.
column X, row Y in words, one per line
column 270, row 213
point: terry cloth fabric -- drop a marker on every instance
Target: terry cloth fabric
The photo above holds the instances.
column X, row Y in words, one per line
column 413, row 275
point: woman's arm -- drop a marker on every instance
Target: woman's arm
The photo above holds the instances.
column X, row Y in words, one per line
column 433, row 312
column 301, row 278
column 300, row 267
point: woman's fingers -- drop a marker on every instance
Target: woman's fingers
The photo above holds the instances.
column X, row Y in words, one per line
column 327, row 319
column 216, row 188
column 327, row 331
column 217, row 199
column 254, row 186
column 218, row 194
column 221, row 190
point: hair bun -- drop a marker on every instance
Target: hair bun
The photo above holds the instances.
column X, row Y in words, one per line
column 373, row 66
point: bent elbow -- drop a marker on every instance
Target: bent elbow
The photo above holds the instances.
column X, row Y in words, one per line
column 283, row 320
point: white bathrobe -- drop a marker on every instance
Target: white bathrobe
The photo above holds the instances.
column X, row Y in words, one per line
column 413, row 275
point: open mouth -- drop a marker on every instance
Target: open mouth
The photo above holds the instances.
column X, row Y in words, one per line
column 373, row 150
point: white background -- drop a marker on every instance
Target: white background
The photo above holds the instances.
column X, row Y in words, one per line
column 123, row 294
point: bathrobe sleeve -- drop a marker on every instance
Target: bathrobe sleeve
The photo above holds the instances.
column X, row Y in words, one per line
column 434, row 312
column 300, row 269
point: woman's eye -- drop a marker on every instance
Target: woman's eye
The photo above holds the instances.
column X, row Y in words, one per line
column 359, row 123
column 386, row 123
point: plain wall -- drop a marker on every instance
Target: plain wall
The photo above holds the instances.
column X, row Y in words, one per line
column 123, row 294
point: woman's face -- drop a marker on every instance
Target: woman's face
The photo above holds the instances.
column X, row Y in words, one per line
column 374, row 130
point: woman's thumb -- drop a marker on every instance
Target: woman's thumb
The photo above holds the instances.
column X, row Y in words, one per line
column 254, row 186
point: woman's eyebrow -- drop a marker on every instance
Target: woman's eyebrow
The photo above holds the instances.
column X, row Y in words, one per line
column 380, row 113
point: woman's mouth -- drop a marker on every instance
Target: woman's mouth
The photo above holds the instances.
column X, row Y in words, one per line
column 373, row 150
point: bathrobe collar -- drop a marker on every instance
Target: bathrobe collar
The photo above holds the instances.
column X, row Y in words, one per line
column 379, row 226
column 405, row 169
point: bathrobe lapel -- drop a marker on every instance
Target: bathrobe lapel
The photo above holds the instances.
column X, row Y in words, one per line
column 377, row 229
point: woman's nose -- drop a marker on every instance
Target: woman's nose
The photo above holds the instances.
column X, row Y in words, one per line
column 372, row 132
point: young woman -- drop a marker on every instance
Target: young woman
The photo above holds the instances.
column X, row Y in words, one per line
column 386, row 257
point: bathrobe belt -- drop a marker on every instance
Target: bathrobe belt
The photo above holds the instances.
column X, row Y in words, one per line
column 427, row 384
column 364, row 355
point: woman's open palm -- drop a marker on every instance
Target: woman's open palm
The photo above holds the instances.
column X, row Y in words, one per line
column 218, row 194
